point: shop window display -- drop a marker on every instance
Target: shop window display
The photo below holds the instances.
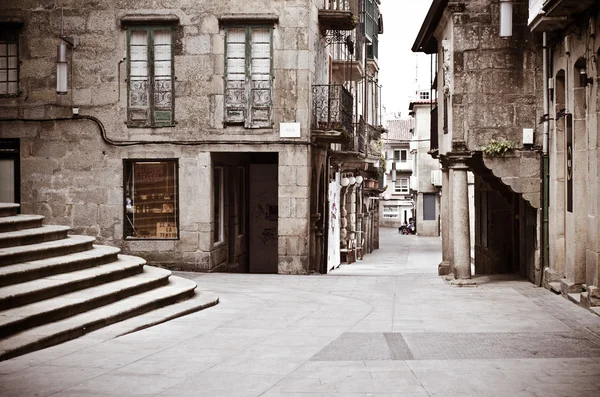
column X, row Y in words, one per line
column 151, row 199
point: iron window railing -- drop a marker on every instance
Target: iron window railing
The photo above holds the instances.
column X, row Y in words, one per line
column 332, row 108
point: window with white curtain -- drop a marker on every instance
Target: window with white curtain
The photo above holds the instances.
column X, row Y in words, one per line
column 150, row 77
column 401, row 186
column 9, row 62
column 391, row 211
column 248, row 76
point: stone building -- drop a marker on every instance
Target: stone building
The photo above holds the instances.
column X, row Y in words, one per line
column 570, row 48
column 195, row 134
column 426, row 181
column 486, row 83
column 397, row 205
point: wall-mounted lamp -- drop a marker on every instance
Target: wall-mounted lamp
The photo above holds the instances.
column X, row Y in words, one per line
column 506, row 18
column 345, row 181
column 359, row 179
column 583, row 78
column 61, row 58
column 352, row 180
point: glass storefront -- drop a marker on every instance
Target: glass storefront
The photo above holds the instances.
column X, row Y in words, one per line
column 150, row 200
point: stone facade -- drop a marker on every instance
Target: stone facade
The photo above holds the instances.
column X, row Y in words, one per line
column 72, row 166
column 486, row 92
column 573, row 103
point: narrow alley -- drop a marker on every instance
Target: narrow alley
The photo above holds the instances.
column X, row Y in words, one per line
column 384, row 326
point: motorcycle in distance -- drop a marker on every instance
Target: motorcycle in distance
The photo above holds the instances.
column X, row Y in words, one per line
column 408, row 229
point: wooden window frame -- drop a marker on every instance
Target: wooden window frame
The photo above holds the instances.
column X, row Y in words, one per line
column 151, row 121
column 128, row 164
column 247, row 120
column 10, row 35
column 219, row 207
column 398, row 188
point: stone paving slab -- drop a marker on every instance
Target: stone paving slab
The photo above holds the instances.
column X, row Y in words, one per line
column 383, row 326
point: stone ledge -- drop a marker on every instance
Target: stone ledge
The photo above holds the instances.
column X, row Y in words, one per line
column 141, row 19
column 248, row 19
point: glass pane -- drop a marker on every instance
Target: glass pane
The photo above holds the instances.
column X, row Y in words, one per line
column 162, row 68
column 12, row 75
column 3, row 75
column 12, row 50
column 3, row 63
column 12, row 62
column 138, row 37
column 139, row 68
column 139, row 53
column 260, row 50
column 12, row 88
column 150, row 199
column 236, row 36
column 162, row 53
column 3, row 88
column 7, row 181
column 162, row 37
column 261, row 36
column 3, row 49
column 236, row 50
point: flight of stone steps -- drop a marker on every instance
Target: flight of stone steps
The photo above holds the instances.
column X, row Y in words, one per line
column 55, row 287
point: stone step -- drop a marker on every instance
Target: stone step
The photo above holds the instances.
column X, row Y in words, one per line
column 26, row 271
column 575, row 297
column 199, row 301
column 9, row 209
column 25, row 253
column 80, row 324
column 33, row 236
column 49, row 287
column 20, row 222
column 35, row 314
column 555, row 287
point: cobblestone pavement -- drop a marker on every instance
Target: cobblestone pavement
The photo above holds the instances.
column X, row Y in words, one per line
column 384, row 326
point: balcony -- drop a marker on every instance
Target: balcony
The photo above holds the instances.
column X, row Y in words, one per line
column 338, row 15
column 550, row 15
column 332, row 113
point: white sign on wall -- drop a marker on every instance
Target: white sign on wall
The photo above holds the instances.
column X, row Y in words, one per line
column 289, row 130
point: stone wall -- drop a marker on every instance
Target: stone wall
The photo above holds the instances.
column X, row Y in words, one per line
column 74, row 176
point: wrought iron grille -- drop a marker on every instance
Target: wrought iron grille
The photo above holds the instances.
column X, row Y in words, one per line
column 332, row 108
column 357, row 142
column 340, row 5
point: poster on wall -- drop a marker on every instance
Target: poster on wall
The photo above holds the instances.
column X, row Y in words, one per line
column 333, row 247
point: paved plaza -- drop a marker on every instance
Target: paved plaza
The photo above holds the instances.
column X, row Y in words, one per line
column 384, row 326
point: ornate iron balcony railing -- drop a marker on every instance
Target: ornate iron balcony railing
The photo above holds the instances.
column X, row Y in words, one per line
column 332, row 109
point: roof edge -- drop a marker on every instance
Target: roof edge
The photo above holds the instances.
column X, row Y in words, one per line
column 423, row 40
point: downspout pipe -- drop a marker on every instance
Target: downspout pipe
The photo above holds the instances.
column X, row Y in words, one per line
column 545, row 165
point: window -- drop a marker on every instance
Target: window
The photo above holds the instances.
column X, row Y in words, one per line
column 218, row 206
column 401, row 185
column 151, row 199
column 248, row 76
column 423, row 95
column 9, row 62
column 400, row 155
column 150, row 100
column 241, row 201
column 429, row 207
column 391, row 211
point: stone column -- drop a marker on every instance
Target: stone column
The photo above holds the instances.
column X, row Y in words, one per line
column 351, row 197
column 445, row 267
column 460, row 221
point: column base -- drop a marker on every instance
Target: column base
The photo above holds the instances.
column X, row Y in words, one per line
column 463, row 282
column 444, row 268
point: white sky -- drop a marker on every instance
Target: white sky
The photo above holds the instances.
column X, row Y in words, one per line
column 402, row 20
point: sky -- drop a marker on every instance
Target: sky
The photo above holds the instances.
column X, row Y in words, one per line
column 402, row 20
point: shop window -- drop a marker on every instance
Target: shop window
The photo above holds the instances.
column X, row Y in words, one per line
column 391, row 211
column 241, row 201
column 151, row 200
column 150, row 100
column 218, row 215
column 248, row 80
column 9, row 62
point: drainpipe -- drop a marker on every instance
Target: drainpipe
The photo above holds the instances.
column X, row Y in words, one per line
column 545, row 166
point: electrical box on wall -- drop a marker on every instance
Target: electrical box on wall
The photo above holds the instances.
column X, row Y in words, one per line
column 527, row 136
